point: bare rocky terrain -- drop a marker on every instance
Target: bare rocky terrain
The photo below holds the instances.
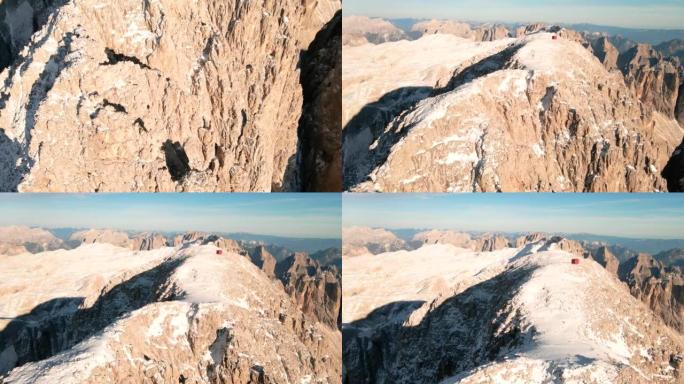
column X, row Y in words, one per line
column 520, row 111
column 164, row 96
column 150, row 309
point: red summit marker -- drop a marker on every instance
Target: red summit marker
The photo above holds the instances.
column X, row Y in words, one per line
column 554, row 37
column 575, row 261
column 219, row 251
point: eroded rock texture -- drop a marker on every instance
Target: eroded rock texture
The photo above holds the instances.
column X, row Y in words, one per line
column 316, row 290
column 154, row 96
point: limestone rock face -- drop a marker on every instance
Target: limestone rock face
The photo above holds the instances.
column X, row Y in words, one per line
column 490, row 243
column 655, row 80
column 148, row 241
column 317, row 291
column 263, row 260
column 529, row 29
column 161, row 316
column 157, row 96
column 606, row 52
column 660, row 287
column 537, row 114
column 529, row 238
column 606, row 258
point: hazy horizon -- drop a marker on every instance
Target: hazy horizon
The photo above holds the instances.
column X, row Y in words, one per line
column 311, row 215
column 660, row 14
column 634, row 216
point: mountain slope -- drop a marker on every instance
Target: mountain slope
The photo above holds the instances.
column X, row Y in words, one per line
column 156, row 96
column 517, row 315
column 169, row 315
column 535, row 115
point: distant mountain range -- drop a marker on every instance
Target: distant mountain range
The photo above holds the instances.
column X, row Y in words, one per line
column 648, row 36
column 652, row 246
column 294, row 244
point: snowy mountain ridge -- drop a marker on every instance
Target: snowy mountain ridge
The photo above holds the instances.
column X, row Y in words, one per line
column 174, row 314
column 524, row 314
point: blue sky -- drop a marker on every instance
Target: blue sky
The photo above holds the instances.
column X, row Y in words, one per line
column 627, row 215
column 292, row 215
column 665, row 14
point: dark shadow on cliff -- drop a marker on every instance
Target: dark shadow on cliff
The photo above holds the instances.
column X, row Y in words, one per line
column 59, row 324
column 459, row 334
column 316, row 167
column 41, row 10
column 673, row 172
column 13, row 164
column 368, row 137
column 15, row 159
column 9, row 55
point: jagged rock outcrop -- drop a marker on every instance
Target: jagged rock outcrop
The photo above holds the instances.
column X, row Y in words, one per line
column 161, row 316
column 361, row 240
column 204, row 238
column 572, row 247
column 606, row 52
column 504, row 326
column 491, row 242
column 320, row 128
column 491, row 32
column 660, row 287
column 529, row 29
column 606, row 258
column 548, row 104
column 148, row 241
column 529, row 239
column 263, row 260
column 317, row 291
column 360, row 30
column 157, row 96
column 654, row 79
column 20, row 239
